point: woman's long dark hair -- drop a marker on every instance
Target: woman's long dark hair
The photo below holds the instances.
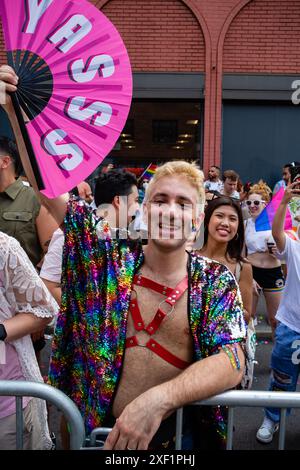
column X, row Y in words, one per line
column 235, row 246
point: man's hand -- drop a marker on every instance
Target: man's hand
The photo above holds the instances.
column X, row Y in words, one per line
column 278, row 221
column 290, row 192
column 8, row 84
column 138, row 423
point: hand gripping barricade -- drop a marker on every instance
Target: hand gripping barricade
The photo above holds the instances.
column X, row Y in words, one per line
column 232, row 399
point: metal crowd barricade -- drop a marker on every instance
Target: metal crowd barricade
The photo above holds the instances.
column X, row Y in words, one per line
column 233, row 399
column 21, row 389
column 247, row 398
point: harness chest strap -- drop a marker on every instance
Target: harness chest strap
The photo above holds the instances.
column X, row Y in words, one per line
column 173, row 295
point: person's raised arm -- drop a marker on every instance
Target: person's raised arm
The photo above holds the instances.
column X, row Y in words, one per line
column 279, row 219
column 8, row 84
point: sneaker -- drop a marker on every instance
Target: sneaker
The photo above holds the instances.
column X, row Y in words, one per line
column 266, row 431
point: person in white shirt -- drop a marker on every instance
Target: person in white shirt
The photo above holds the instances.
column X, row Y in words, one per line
column 285, row 360
column 230, row 183
column 52, row 265
column 25, row 308
column 213, row 183
column 116, row 200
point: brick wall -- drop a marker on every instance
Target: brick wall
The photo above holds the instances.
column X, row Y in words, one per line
column 264, row 37
column 160, row 35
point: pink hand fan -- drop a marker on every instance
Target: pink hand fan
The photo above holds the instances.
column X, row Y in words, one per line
column 75, row 86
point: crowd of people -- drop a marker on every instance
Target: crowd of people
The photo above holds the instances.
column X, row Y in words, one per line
column 150, row 288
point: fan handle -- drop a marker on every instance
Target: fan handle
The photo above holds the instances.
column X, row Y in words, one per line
column 35, row 167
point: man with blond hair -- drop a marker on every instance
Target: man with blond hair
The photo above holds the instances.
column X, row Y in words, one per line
column 144, row 330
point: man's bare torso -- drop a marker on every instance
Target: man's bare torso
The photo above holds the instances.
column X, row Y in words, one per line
column 143, row 369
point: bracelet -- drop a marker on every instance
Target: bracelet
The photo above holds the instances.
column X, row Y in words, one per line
column 233, row 356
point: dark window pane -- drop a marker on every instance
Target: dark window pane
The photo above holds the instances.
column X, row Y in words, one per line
column 164, row 132
column 128, row 130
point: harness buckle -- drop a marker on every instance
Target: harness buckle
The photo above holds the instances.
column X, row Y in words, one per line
column 172, row 307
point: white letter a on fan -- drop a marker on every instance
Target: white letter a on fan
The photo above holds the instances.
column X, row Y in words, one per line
column 34, row 11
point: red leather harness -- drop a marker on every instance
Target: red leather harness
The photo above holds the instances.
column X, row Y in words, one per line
column 172, row 296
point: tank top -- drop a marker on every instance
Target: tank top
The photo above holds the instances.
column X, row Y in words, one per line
column 256, row 242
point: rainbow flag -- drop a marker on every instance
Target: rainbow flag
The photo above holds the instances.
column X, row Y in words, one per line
column 265, row 219
column 149, row 172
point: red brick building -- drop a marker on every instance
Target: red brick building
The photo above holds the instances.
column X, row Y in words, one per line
column 212, row 81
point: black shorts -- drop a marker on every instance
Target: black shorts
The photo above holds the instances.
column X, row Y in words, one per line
column 270, row 279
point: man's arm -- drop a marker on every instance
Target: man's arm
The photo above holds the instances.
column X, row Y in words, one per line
column 46, row 226
column 279, row 219
column 54, row 288
column 8, row 83
column 141, row 419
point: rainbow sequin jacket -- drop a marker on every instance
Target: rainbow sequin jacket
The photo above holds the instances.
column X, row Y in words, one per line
column 89, row 340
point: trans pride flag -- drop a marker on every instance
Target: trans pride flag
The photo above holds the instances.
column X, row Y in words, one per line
column 265, row 219
column 149, row 172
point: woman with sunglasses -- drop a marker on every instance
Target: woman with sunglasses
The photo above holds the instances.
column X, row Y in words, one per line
column 267, row 271
column 224, row 242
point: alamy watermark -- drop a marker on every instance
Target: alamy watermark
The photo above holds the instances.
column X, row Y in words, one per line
column 296, row 94
column 296, row 354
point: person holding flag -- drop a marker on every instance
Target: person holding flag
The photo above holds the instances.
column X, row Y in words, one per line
column 285, row 360
column 266, row 266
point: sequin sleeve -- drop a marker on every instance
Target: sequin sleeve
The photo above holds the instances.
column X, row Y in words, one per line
column 90, row 334
column 216, row 309
column 225, row 319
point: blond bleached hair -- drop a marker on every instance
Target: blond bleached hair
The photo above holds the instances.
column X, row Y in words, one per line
column 262, row 189
column 181, row 168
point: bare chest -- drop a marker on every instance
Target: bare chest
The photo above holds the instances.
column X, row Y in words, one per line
column 143, row 368
column 171, row 325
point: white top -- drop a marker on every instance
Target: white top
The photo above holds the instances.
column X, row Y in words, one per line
column 21, row 290
column 213, row 185
column 51, row 267
column 256, row 242
column 234, row 194
column 288, row 311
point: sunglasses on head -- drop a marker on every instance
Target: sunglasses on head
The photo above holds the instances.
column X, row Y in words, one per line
column 255, row 203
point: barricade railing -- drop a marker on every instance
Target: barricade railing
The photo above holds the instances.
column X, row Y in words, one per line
column 21, row 389
column 247, row 398
column 232, row 400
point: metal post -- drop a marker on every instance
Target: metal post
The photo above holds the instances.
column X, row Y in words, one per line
column 19, row 423
column 96, row 432
column 282, row 427
column 229, row 428
column 179, row 419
